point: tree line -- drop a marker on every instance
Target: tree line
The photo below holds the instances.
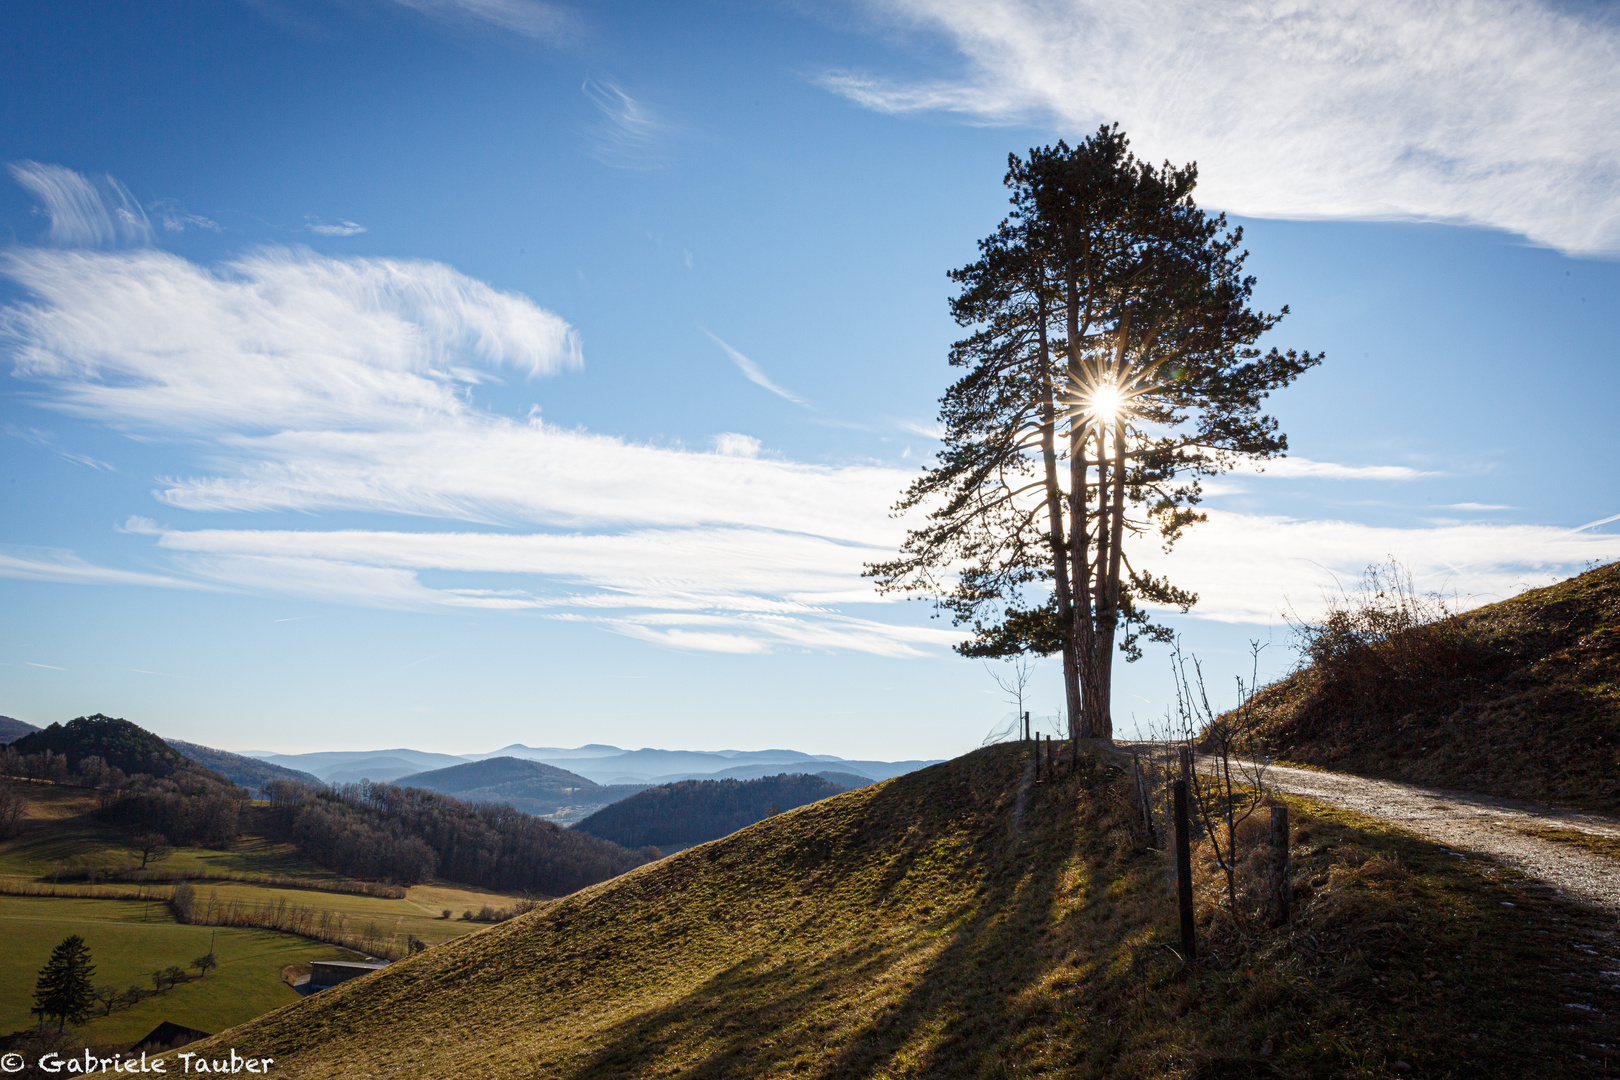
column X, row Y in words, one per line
column 408, row 835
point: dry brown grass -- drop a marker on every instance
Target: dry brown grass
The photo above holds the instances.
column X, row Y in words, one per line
column 956, row 922
column 1519, row 699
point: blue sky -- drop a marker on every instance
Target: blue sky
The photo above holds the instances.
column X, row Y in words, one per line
column 449, row 373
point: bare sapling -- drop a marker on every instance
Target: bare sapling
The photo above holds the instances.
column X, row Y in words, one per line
column 1229, row 784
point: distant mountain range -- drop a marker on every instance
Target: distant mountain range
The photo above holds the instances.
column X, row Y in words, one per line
column 608, row 766
column 530, row 786
column 247, row 772
column 12, row 729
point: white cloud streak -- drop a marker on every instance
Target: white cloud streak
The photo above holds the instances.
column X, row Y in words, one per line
column 342, row 228
column 83, row 213
column 1298, row 468
column 1252, row 568
column 51, row 564
column 629, row 133
column 530, row 18
column 751, row 370
column 277, row 339
column 1499, row 113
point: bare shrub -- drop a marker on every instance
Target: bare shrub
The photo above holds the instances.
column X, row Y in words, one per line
column 1229, row 784
column 13, row 808
column 1387, row 648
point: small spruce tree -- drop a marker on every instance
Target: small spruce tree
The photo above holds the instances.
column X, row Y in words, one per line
column 64, row 991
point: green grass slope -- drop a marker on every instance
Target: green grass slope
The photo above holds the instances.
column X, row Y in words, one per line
column 960, row 922
column 1519, row 698
column 128, row 941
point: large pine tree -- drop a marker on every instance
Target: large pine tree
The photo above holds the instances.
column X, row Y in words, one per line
column 64, row 991
column 1111, row 364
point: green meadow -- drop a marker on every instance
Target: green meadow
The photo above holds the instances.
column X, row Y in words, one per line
column 128, row 941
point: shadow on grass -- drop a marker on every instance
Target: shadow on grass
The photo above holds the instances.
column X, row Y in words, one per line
column 947, row 997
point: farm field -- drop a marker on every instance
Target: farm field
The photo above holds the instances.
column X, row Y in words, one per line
column 128, row 941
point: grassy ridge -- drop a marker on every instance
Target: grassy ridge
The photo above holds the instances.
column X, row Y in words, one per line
column 958, row 922
column 1519, row 699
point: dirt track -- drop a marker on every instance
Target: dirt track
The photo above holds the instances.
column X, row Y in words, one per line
column 1477, row 825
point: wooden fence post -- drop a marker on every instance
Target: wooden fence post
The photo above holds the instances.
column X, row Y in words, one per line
column 1279, row 864
column 1184, row 890
column 1142, row 799
column 1026, row 727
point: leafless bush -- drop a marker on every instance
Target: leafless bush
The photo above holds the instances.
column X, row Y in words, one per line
column 13, row 808
column 1387, row 648
column 1229, row 783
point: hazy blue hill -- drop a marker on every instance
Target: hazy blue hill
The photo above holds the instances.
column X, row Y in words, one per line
column 553, row 753
column 499, row 770
column 247, row 772
column 345, row 766
column 531, row 786
column 696, row 811
column 11, row 728
column 116, row 741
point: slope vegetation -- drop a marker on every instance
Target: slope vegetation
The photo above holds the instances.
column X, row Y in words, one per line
column 960, row 922
column 1520, row 699
column 696, row 811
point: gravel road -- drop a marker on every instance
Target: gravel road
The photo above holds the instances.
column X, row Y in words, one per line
column 1478, row 825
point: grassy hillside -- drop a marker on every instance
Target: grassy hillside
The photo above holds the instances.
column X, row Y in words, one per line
column 689, row 812
column 1520, row 699
column 246, row 772
column 960, row 922
column 530, row 786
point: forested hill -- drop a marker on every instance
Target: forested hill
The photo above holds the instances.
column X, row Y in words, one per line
column 250, row 773
column 12, row 728
column 409, row 835
column 121, row 744
column 530, row 786
column 1519, row 698
column 696, row 811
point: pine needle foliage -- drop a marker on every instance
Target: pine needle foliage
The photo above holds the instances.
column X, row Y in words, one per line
column 1111, row 364
column 65, row 991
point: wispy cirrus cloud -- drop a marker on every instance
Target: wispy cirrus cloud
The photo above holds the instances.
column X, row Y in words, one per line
column 54, row 564
column 751, row 371
column 531, row 18
column 628, row 134
column 342, row 228
column 1299, row 468
column 276, row 339
column 1498, row 113
column 84, row 212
